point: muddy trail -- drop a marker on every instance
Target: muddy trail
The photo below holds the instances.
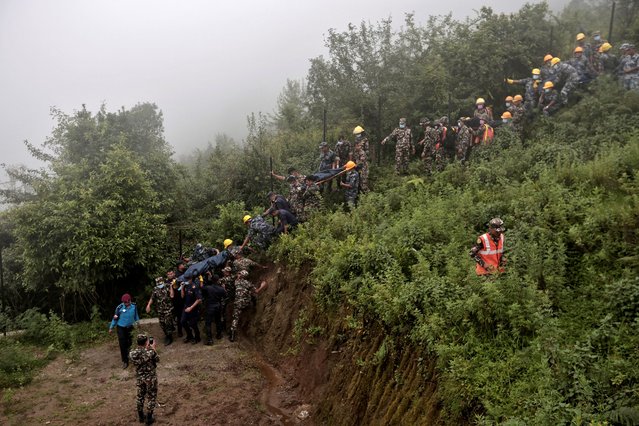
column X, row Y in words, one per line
column 228, row 383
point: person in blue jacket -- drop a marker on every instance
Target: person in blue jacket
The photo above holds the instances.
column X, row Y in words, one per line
column 126, row 316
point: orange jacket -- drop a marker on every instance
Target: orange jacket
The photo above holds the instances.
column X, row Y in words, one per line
column 490, row 254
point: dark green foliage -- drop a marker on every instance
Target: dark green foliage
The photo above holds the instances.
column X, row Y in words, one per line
column 552, row 340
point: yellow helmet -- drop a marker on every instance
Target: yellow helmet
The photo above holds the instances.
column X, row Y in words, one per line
column 509, row 98
column 548, row 85
column 350, row 165
column 480, row 101
column 555, row 61
column 605, row 47
column 246, row 218
column 547, row 58
column 357, row 130
column 506, row 114
column 536, row 71
column 580, row 36
column 518, row 98
column 578, row 49
column 227, row 242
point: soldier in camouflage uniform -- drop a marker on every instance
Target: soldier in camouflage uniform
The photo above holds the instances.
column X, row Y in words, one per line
column 586, row 48
column 565, row 76
column 518, row 113
column 360, row 134
column 431, row 137
column 145, row 360
column 547, row 70
column 607, row 62
column 295, row 182
column 582, row 65
column 360, row 157
column 351, row 185
column 244, row 291
column 228, row 283
column 260, row 232
column 464, row 140
column 549, row 102
column 311, row 198
column 343, row 150
column 403, row 148
column 532, row 93
column 482, row 112
column 629, row 67
column 163, row 295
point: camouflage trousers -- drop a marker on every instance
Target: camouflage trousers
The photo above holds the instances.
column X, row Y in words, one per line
column 147, row 388
column 630, row 82
column 565, row 91
column 167, row 323
column 432, row 155
column 242, row 301
column 462, row 149
column 402, row 157
column 363, row 176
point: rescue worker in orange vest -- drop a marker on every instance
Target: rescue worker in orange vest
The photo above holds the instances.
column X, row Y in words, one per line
column 488, row 252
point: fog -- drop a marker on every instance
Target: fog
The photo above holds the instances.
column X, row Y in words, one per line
column 206, row 64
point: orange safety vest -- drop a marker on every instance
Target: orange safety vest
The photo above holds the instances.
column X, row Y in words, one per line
column 490, row 254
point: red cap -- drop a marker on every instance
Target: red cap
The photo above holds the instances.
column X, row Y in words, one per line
column 126, row 297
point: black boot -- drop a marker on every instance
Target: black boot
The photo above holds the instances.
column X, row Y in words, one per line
column 141, row 417
column 209, row 342
column 232, row 336
column 168, row 340
column 149, row 418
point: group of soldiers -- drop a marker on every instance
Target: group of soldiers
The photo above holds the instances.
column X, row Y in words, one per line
column 550, row 86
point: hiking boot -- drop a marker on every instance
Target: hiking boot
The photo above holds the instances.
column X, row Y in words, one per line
column 149, row 418
column 232, row 336
column 168, row 340
column 141, row 416
column 125, row 365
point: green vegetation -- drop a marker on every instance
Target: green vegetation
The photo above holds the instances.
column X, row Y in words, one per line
column 41, row 339
column 552, row 341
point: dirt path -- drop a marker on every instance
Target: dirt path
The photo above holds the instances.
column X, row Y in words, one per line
column 224, row 384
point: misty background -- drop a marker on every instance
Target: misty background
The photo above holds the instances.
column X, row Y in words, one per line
column 206, row 64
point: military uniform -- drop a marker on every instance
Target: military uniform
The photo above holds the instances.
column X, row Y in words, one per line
column 464, row 141
column 260, row 232
column 352, row 179
column 484, row 114
column 244, row 291
column 531, row 94
column 296, row 189
column 550, row 102
column 547, row 72
column 228, row 282
column 607, row 63
column 164, row 306
column 145, row 361
column 519, row 115
column 243, row 264
column 360, row 157
column 584, row 69
column 630, row 80
column 565, row 75
column 431, row 139
column 343, row 151
column 403, row 148
column 191, row 293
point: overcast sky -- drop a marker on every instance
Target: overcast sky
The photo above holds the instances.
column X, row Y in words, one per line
column 206, row 64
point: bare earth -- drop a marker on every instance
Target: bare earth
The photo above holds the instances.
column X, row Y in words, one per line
column 224, row 384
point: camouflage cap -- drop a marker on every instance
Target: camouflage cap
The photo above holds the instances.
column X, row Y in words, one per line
column 323, row 144
column 424, row 121
column 402, row 120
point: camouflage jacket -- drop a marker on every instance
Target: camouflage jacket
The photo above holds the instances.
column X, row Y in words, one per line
column 484, row 114
column 352, row 178
column 402, row 136
column 145, row 362
column 431, row 137
column 343, row 151
column 162, row 298
column 564, row 73
column 326, row 160
column 243, row 264
column 627, row 63
column 243, row 289
column 260, row 232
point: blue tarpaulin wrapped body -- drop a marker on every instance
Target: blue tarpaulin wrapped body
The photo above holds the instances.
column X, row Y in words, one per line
column 205, row 265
